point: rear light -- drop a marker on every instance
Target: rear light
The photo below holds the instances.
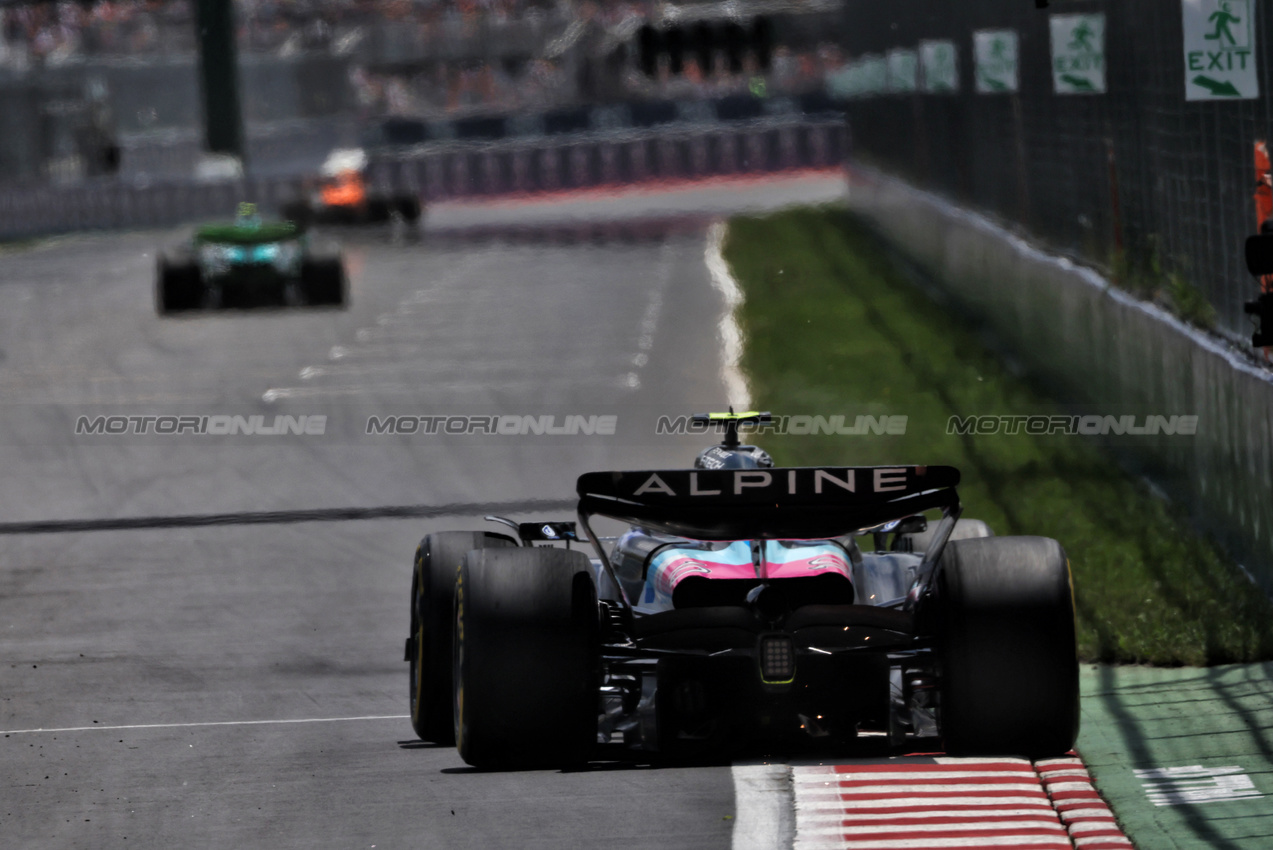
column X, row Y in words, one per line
column 777, row 656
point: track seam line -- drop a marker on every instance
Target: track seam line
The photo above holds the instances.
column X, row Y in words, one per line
column 9, row 732
column 284, row 517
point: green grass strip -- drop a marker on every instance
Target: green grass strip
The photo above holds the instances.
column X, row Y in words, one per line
column 834, row 326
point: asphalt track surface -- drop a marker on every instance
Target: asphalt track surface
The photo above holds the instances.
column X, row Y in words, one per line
column 237, row 681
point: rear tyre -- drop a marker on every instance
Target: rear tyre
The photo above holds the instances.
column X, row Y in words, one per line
column 1006, row 642
column 378, row 210
column 526, row 658
column 323, row 281
column 409, row 208
column 437, row 559
column 178, row 286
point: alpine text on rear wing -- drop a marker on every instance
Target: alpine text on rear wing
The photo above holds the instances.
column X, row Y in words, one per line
column 769, row 503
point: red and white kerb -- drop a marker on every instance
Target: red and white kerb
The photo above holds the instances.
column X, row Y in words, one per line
column 939, row 802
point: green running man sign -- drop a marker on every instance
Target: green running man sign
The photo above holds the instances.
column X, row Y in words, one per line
column 995, row 60
column 1219, row 50
column 939, row 67
column 1078, row 54
column 903, row 70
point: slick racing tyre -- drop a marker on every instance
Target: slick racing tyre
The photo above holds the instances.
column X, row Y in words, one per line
column 1009, row 670
column 178, row 286
column 378, row 210
column 437, row 559
column 526, row 658
column 965, row 529
column 323, row 281
column 408, row 207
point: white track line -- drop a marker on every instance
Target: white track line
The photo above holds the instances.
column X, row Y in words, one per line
column 971, row 800
column 739, row 394
column 821, row 811
column 876, row 775
column 764, row 817
column 1012, row 841
column 210, row 723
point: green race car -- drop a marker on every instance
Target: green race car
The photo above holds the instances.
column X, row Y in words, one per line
column 248, row 263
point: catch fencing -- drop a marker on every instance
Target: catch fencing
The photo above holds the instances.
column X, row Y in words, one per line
column 453, row 171
column 1137, row 179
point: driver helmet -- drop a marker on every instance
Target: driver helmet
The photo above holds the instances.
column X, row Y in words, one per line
column 738, row 457
column 247, row 217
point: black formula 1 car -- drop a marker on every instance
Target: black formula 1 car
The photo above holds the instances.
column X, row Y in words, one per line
column 248, row 263
column 744, row 605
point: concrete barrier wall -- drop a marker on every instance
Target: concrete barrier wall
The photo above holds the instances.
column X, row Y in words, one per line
column 1097, row 345
column 29, row 213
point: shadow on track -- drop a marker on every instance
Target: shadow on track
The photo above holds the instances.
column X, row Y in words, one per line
column 1140, row 748
column 62, row 526
column 615, row 757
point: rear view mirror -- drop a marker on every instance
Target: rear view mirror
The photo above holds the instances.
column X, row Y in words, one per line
column 553, row 531
column 898, row 528
column 910, row 525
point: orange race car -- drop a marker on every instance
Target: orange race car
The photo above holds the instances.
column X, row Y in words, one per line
column 342, row 196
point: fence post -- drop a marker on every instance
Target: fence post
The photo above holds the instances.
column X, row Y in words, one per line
column 521, row 170
column 549, row 168
column 435, row 177
column 697, row 144
column 638, row 161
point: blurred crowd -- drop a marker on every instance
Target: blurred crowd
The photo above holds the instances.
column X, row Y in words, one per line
column 34, row 34
column 520, row 55
column 456, row 90
column 790, row 72
column 38, row 33
column 270, row 24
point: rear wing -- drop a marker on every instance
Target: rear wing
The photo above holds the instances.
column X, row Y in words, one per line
column 777, row 503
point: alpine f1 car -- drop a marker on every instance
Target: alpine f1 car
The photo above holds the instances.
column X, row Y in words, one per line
column 248, row 263
column 743, row 605
column 342, row 196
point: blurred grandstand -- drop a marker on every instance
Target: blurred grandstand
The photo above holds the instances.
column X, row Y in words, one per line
column 93, row 88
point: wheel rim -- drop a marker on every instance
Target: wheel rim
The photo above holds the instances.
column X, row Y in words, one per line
column 417, row 658
column 417, row 681
column 457, row 665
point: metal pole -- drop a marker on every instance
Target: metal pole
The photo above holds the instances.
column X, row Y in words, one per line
column 219, row 77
